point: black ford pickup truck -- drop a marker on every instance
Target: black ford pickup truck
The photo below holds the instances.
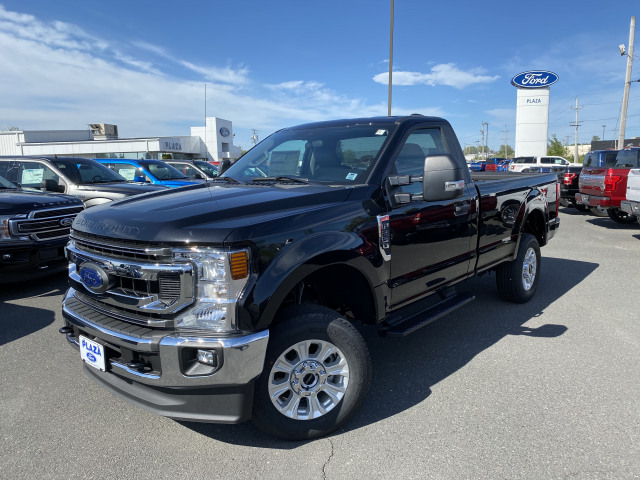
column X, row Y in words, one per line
column 34, row 229
column 237, row 298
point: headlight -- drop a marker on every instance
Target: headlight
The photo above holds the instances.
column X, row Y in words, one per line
column 220, row 279
column 5, row 231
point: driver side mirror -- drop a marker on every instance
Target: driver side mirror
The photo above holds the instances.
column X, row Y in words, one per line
column 443, row 179
column 224, row 165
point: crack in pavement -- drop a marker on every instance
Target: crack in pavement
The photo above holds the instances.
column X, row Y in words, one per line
column 326, row 463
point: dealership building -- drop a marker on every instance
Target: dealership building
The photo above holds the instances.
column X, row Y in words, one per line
column 212, row 142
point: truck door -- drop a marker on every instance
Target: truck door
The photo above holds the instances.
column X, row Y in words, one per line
column 432, row 242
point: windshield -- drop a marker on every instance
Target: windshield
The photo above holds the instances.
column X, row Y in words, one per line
column 6, row 184
column 207, row 168
column 82, row 171
column 342, row 155
column 163, row 171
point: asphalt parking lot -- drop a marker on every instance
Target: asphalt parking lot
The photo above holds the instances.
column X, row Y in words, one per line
column 549, row 389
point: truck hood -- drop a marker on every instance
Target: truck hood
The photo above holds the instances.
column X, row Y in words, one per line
column 123, row 187
column 24, row 201
column 204, row 213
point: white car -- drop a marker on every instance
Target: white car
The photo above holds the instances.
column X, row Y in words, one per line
column 520, row 163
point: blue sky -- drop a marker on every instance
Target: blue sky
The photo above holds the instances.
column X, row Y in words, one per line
column 143, row 65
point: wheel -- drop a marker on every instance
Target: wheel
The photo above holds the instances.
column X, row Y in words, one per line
column 317, row 371
column 619, row 216
column 599, row 211
column 581, row 207
column 517, row 280
column 566, row 203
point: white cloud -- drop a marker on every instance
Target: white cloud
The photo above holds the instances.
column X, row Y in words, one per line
column 215, row 74
column 443, row 74
column 56, row 76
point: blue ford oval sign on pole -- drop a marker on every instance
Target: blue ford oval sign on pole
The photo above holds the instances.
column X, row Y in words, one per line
column 534, row 79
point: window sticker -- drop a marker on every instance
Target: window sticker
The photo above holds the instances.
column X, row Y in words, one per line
column 352, row 176
column 381, row 132
column 32, row 175
column 128, row 173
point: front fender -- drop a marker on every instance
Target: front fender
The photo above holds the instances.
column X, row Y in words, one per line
column 300, row 259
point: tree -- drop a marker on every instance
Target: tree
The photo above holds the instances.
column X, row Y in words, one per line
column 595, row 138
column 505, row 151
column 555, row 147
column 470, row 150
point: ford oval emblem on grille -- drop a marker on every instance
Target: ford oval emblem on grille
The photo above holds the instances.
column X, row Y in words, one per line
column 94, row 277
column 66, row 222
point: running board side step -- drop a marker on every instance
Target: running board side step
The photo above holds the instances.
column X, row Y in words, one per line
column 402, row 325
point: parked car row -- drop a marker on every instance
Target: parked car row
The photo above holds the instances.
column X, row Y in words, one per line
column 41, row 196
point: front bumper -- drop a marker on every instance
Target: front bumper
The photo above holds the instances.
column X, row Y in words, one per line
column 19, row 262
column 631, row 207
column 156, row 369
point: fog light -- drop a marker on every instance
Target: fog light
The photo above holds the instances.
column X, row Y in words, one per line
column 207, row 357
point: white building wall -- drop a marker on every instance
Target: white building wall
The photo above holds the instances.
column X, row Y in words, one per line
column 218, row 145
column 532, row 122
column 9, row 143
column 81, row 142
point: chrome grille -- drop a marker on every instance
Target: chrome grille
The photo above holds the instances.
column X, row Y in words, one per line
column 136, row 277
column 45, row 224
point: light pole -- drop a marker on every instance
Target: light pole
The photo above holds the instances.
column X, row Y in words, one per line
column 627, row 83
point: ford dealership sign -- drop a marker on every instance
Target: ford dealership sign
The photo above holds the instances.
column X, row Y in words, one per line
column 534, row 79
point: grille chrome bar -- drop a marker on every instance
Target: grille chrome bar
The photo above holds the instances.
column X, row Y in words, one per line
column 103, row 246
column 47, row 224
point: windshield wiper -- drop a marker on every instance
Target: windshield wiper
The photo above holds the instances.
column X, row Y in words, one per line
column 224, row 179
column 281, row 179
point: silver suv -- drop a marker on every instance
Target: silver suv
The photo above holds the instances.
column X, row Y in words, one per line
column 84, row 178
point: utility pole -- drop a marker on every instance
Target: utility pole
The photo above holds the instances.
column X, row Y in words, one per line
column 484, row 145
column 506, row 151
column 577, row 124
column 254, row 136
column 627, row 83
column 390, row 57
column 603, row 127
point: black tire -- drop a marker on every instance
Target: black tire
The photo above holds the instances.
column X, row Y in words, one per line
column 599, row 212
column 517, row 280
column 620, row 216
column 296, row 396
column 566, row 203
column 580, row 206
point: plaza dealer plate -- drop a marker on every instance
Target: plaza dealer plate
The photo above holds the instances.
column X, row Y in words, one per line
column 92, row 353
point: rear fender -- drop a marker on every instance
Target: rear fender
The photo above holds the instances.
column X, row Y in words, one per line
column 532, row 217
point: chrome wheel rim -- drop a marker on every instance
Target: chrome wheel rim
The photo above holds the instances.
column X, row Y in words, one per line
column 529, row 268
column 308, row 380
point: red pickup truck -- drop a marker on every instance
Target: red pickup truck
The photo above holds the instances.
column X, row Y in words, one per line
column 605, row 187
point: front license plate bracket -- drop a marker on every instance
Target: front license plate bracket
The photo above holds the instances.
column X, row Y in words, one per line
column 92, row 353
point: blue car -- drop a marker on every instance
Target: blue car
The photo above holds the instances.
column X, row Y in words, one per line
column 477, row 166
column 156, row 172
